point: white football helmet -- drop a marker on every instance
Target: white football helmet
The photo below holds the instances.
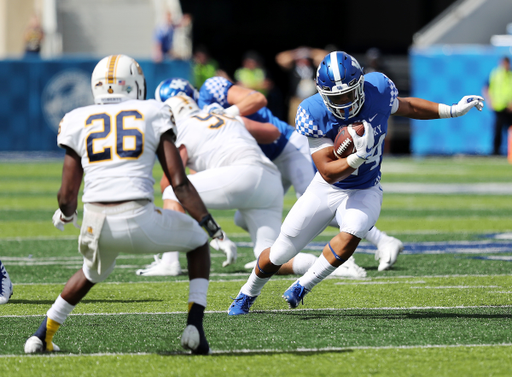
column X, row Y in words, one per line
column 182, row 106
column 117, row 78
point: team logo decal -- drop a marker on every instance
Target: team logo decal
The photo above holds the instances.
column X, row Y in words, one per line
column 64, row 92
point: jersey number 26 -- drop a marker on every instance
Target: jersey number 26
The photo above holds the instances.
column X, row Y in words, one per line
column 129, row 141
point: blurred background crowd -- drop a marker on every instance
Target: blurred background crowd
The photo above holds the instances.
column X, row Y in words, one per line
column 435, row 49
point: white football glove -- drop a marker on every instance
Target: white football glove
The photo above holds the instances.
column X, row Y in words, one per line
column 461, row 108
column 59, row 220
column 214, row 108
column 363, row 144
column 227, row 246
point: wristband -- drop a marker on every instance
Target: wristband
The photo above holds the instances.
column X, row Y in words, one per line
column 67, row 218
column 445, row 111
column 209, row 224
column 233, row 111
column 355, row 161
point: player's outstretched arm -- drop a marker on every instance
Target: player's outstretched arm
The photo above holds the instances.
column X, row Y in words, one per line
column 172, row 166
column 263, row 133
column 418, row 108
column 246, row 101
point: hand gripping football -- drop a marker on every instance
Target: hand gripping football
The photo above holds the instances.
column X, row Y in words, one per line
column 343, row 143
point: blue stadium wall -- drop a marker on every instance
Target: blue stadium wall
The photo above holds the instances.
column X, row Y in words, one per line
column 446, row 74
column 35, row 95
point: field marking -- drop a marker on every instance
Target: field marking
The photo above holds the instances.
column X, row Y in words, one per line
column 268, row 350
column 459, row 287
column 287, row 278
column 276, row 310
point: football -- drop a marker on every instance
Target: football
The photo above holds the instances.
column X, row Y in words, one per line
column 343, row 143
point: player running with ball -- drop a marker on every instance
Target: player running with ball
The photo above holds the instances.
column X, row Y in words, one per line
column 347, row 189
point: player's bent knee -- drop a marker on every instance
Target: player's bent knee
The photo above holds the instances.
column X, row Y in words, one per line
column 93, row 276
column 282, row 251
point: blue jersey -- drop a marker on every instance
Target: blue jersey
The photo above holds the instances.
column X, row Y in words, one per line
column 215, row 90
column 315, row 120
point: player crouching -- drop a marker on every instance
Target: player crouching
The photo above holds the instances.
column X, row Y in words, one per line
column 115, row 143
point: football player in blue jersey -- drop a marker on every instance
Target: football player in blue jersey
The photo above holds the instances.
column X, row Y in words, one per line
column 5, row 285
column 347, row 189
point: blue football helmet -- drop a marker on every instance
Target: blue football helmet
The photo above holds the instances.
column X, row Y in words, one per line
column 174, row 86
column 340, row 82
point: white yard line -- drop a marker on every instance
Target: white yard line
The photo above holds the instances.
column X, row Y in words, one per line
column 271, row 350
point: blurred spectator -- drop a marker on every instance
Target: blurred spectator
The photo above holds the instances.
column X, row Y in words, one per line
column 301, row 63
column 164, row 36
column 205, row 66
column 374, row 62
column 498, row 92
column 252, row 75
column 33, row 37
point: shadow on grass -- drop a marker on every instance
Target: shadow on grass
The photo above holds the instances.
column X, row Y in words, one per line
column 410, row 314
column 242, row 353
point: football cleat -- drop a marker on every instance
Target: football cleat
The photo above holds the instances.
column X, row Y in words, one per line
column 350, row 269
column 250, row 265
column 5, row 285
column 295, row 294
column 241, row 304
column 42, row 339
column 159, row 268
column 36, row 345
column 193, row 340
column 387, row 252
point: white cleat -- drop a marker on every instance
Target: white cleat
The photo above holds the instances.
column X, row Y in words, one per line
column 191, row 340
column 350, row 269
column 387, row 252
column 250, row 265
column 158, row 268
column 36, row 345
column 5, row 285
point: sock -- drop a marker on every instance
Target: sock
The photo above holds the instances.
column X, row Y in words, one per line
column 302, row 262
column 254, row 285
column 198, row 289
column 375, row 236
column 318, row 272
column 170, row 257
column 60, row 310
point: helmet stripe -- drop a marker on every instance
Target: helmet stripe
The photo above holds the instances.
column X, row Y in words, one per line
column 335, row 67
column 112, row 67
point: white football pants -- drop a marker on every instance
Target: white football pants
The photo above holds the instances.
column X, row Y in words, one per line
column 295, row 164
column 254, row 190
column 137, row 228
column 356, row 211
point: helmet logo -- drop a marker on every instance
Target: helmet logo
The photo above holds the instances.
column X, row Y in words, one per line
column 178, row 84
column 99, row 83
column 110, row 90
column 128, row 88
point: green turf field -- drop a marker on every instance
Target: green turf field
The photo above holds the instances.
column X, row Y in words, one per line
column 445, row 309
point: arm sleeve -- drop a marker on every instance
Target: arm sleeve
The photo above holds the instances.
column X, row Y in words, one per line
column 164, row 121
column 320, row 143
column 66, row 137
